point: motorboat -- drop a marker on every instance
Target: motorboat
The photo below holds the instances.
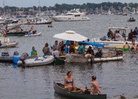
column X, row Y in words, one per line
column 6, row 43
column 131, row 19
column 121, row 38
column 38, row 21
column 73, row 15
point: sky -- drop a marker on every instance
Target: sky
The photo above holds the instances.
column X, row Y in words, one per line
column 30, row 3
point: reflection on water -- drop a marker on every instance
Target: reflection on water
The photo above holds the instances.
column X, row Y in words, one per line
column 115, row 78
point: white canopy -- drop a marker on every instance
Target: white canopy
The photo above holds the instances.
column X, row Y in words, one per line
column 70, row 35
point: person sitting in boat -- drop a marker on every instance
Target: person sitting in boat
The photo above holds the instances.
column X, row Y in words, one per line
column 117, row 36
column 133, row 47
column 110, row 34
column 69, row 82
column 34, row 32
column 126, row 46
column 94, row 89
column 99, row 54
column 34, row 52
column 80, row 49
column 130, row 35
column 89, row 52
column 46, row 50
column 137, row 47
column 55, row 49
column 29, row 32
column 72, row 47
column 55, row 46
column 62, row 48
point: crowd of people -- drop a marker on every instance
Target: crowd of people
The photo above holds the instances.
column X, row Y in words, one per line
column 61, row 49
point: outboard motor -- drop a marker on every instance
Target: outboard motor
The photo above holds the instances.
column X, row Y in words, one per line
column 16, row 57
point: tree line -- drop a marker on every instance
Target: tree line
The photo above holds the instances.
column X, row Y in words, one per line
column 61, row 7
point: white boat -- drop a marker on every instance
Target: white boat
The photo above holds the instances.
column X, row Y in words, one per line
column 5, row 42
column 73, row 15
column 38, row 21
column 31, row 35
column 113, row 43
column 39, row 61
column 9, row 44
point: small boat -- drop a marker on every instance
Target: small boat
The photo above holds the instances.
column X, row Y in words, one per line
column 131, row 19
column 38, row 61
column 33, row 34
column 110, row 43
column 16, row 33
column 59, row 89
column 9, row 44
column 5, row 57
column 38, row 21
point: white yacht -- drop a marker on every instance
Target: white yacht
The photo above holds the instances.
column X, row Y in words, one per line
column 73, row 15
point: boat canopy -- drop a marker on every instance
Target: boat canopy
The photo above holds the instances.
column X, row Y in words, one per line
column 93, row 44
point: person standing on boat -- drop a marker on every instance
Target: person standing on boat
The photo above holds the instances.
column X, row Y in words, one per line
column 46, row 49
column 69, row 82
column 34, row 52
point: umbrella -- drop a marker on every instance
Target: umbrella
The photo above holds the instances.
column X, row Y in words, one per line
column 71, row 36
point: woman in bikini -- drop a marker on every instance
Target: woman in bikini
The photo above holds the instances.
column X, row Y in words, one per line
column 69, row 82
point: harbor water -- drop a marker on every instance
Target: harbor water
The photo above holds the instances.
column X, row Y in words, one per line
column 116, row 78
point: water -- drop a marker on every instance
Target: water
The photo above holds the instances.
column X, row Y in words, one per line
column 115, row 78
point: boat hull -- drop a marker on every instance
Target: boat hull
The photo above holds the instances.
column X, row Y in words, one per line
column 39, row 61
column 75, row 95
column 6, row 59
column 31, row 35
column 59, row 60
column 75, row 58
column 9, row 45
column 69, row 18
column 22, row 33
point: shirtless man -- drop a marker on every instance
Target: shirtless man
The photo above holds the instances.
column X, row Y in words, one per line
column 95, row 89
